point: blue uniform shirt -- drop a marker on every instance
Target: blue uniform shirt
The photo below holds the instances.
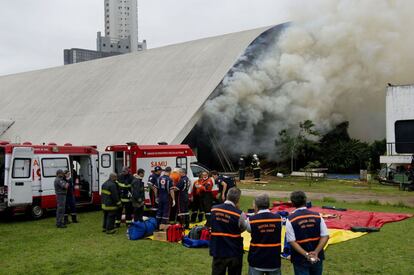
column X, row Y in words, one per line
column 164, row 186
column 153, row 179
column 183, row 185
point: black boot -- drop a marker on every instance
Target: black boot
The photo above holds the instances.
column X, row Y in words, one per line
column 200, row 217
column 193, row 217
column 66, row 220
column 74, row 218
column 187, row 222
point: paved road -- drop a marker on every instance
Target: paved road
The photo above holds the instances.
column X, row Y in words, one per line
column 407, row 200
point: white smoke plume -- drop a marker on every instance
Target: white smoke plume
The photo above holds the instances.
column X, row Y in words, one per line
column 331, row 64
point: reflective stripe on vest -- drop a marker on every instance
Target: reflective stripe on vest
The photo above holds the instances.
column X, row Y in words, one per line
column 265, row 220
column 225, row 211
column 123, row 185
column 265, row 245
column 125, row 200
column 304, row 217
column 218, row 234
column 106, row 192
column 109, row 208
column 309, row 240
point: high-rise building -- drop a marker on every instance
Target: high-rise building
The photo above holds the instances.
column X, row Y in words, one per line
column 121, row 33
column 121, row 27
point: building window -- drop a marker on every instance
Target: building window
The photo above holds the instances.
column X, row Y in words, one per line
column 107, row 33
column 127, row 47
column 104, row 44
column 119, row 46
column 112, row 46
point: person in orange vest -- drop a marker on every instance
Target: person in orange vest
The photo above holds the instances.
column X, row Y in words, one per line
column 195, row 203
column 206, row 195
column 265, row 245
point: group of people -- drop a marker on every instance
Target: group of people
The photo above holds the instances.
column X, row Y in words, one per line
column 65, row 198
column 170, row 191
column 306, row 232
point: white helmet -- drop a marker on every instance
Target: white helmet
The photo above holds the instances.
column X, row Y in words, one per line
column 255, row 156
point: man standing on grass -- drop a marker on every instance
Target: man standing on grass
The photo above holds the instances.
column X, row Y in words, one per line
column 226, row 244
column 138, row 195
column 110, row 203
column 164, row 191
column 61, row 187
column 307, row 233
column 265, row 245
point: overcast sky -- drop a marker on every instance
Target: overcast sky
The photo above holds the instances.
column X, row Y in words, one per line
column 33, row 33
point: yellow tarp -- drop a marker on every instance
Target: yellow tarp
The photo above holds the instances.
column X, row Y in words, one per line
column 335, row 236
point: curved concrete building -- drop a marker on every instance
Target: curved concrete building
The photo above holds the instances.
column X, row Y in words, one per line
column 146, row 97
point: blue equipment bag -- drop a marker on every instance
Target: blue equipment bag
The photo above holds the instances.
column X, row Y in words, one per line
column 139, row 230
column 190, row 243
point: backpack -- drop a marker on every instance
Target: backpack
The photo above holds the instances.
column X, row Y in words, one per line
column 190, row 243
column 205, row 234
column 175, row 233
column 139, row 230
column 195, row 232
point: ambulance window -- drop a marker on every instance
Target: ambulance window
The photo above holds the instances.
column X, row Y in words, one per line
column 51, row 165
column 197, row 170
column 106, row 160
column 181, row 162
column 21, row 168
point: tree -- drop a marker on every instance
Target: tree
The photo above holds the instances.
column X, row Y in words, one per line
column 340, row 153
column 292, row 144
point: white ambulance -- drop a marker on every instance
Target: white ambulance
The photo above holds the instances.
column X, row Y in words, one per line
column 27, row 171
column 27, row 174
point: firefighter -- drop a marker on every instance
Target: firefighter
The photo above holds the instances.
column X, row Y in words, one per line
column 61, row 187
column 183, row 186
column 242, row 168
column 164, row 191
column 70, row 199
column 206, row 195
column 124, row 188
column 138, row 195
column 224, row 183
column 152, row 183
column 195, row 202
column 110, row 203
column 256, row 167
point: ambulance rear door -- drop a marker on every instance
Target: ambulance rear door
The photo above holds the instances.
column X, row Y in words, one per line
column 106, row 167
column 20, row 183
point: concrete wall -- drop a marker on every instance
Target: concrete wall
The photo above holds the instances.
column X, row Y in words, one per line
column 146, row 97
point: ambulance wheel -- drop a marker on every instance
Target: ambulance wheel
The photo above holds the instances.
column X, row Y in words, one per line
column 37, row 212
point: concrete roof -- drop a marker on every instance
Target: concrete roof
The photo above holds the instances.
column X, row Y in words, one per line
column 146, row 97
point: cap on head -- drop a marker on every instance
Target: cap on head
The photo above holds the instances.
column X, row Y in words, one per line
column 157, row 168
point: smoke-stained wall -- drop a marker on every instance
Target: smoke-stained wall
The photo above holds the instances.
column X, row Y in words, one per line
column 331, row 64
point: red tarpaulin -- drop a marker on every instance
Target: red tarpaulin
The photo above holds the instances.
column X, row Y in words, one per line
column 346, row 219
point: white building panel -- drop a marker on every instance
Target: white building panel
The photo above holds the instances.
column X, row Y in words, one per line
column 146, row 97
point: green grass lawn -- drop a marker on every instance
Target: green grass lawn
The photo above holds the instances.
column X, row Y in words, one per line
column 37, row 247
column 328, row 186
